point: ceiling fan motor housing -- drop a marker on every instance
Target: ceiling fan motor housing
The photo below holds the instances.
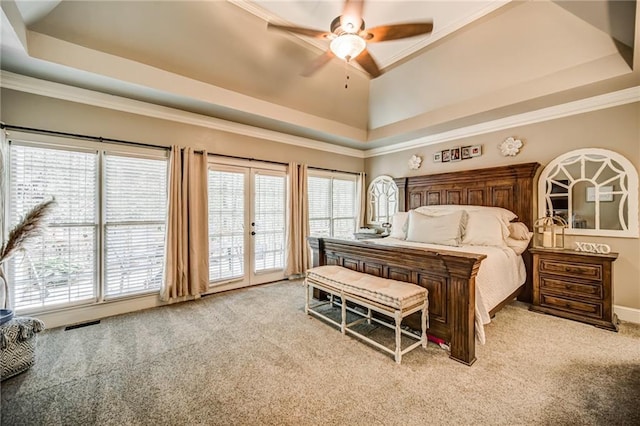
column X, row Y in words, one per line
column 336, row 27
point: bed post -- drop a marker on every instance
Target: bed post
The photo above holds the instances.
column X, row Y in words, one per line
column 462, row 283
column 401, row 183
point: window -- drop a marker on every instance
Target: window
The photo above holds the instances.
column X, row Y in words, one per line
column 134, row 229
column 332, row 205
column 94, row 247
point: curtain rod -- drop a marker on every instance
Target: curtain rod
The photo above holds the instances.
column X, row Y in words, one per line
column 80, row 136
column 146, row 145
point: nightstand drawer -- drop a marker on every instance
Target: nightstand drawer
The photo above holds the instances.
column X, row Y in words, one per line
column 582, row 308
column 571, row 288
column 575, row 270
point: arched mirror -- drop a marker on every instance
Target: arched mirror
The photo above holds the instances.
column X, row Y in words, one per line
column 382, row 200
column 594, row 190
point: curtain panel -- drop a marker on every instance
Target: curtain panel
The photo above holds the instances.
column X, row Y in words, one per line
column 297, row 256
column 187, row 244
column 361, row 200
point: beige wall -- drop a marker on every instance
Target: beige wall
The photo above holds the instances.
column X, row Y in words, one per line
column 23, row 109
column 617, row 129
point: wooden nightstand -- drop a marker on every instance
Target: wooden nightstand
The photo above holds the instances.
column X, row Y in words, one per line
column 574, row 285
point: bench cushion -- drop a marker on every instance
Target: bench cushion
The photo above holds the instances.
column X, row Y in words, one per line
column 392, row 293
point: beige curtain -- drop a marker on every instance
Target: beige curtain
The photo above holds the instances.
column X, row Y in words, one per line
column 298, row 256
column 361, row 200
column 187, row 244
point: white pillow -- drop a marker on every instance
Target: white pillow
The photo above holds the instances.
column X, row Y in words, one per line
column 485, row 229
column 519, row 231
column 519, row 246
column 399, row 225
column 445, row 230
column 440, row 209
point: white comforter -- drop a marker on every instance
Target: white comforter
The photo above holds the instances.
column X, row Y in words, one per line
column 500, row 274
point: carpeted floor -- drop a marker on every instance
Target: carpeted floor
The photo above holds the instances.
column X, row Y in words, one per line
column 253, row 357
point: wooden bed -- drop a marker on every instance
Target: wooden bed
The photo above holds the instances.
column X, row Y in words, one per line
column 449, row 276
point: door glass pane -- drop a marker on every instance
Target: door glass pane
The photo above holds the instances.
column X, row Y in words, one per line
column 269, row 213
column 226, row 224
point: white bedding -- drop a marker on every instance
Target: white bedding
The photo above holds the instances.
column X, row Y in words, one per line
column 500, row 274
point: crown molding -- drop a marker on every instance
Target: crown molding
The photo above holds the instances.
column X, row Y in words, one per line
column 50, row 89
column 595, row 103
column 60, row 91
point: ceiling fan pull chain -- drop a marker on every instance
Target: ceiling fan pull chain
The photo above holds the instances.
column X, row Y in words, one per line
column 346, row 73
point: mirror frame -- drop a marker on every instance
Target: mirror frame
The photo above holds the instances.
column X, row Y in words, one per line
column 629, row 195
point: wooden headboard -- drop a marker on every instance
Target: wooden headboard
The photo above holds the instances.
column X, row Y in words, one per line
column 511, row 187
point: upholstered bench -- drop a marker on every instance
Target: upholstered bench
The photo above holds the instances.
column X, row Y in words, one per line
column 17, row 345
column 395, row 299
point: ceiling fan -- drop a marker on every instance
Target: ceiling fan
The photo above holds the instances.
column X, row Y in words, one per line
column 349, row 37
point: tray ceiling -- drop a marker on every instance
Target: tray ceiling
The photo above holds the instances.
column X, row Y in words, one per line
column 484, row 60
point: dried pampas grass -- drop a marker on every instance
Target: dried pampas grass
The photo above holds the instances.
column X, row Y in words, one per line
column 30, row 226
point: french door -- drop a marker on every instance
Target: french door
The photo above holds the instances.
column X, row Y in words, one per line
column 247, row 213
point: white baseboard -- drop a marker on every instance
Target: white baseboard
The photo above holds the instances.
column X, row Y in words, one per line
column 627, row 314
column 81, row 314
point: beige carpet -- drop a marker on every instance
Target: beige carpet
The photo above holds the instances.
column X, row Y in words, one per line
column 253, row 357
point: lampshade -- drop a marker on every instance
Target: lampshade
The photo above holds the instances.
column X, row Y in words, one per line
column 347, row 46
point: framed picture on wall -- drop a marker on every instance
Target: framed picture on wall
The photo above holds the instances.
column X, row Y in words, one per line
column 455, row 154
column 446, row 156
column 437, row 157
column 476, row 150
column 466, row 152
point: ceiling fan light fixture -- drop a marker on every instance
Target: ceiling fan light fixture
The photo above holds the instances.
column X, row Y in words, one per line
column 347, row 46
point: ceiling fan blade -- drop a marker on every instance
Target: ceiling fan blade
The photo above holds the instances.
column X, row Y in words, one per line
column 317, row 63
column 395, row 32
column 309, row 32
column 351, row 18
column 366, row 61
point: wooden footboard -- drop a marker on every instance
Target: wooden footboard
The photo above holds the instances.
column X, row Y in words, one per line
column 449, row 276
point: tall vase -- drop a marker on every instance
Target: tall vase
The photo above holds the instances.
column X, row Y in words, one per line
column 5, row 313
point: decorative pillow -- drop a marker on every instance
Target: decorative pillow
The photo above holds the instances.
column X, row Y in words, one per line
column 445, row 229
column 440, row 209
column 519, row 246
column 485, row 229
column 399, row 225
column 519, row 231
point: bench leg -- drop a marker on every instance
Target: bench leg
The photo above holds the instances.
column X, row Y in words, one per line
column 398, row 318
column 368, row 315
column 424, row 320
column 307, row 288
column 343, row 326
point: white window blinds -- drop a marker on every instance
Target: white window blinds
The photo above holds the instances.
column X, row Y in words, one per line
column 135, row 207
column 59, row 266
column 93, row 247
column 270, row 216
column 226, row 224
column 332, row 206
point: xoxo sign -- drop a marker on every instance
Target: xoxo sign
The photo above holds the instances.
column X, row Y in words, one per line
column 593, row 248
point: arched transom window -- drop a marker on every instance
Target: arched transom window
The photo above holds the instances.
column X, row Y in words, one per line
column 382, row 200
